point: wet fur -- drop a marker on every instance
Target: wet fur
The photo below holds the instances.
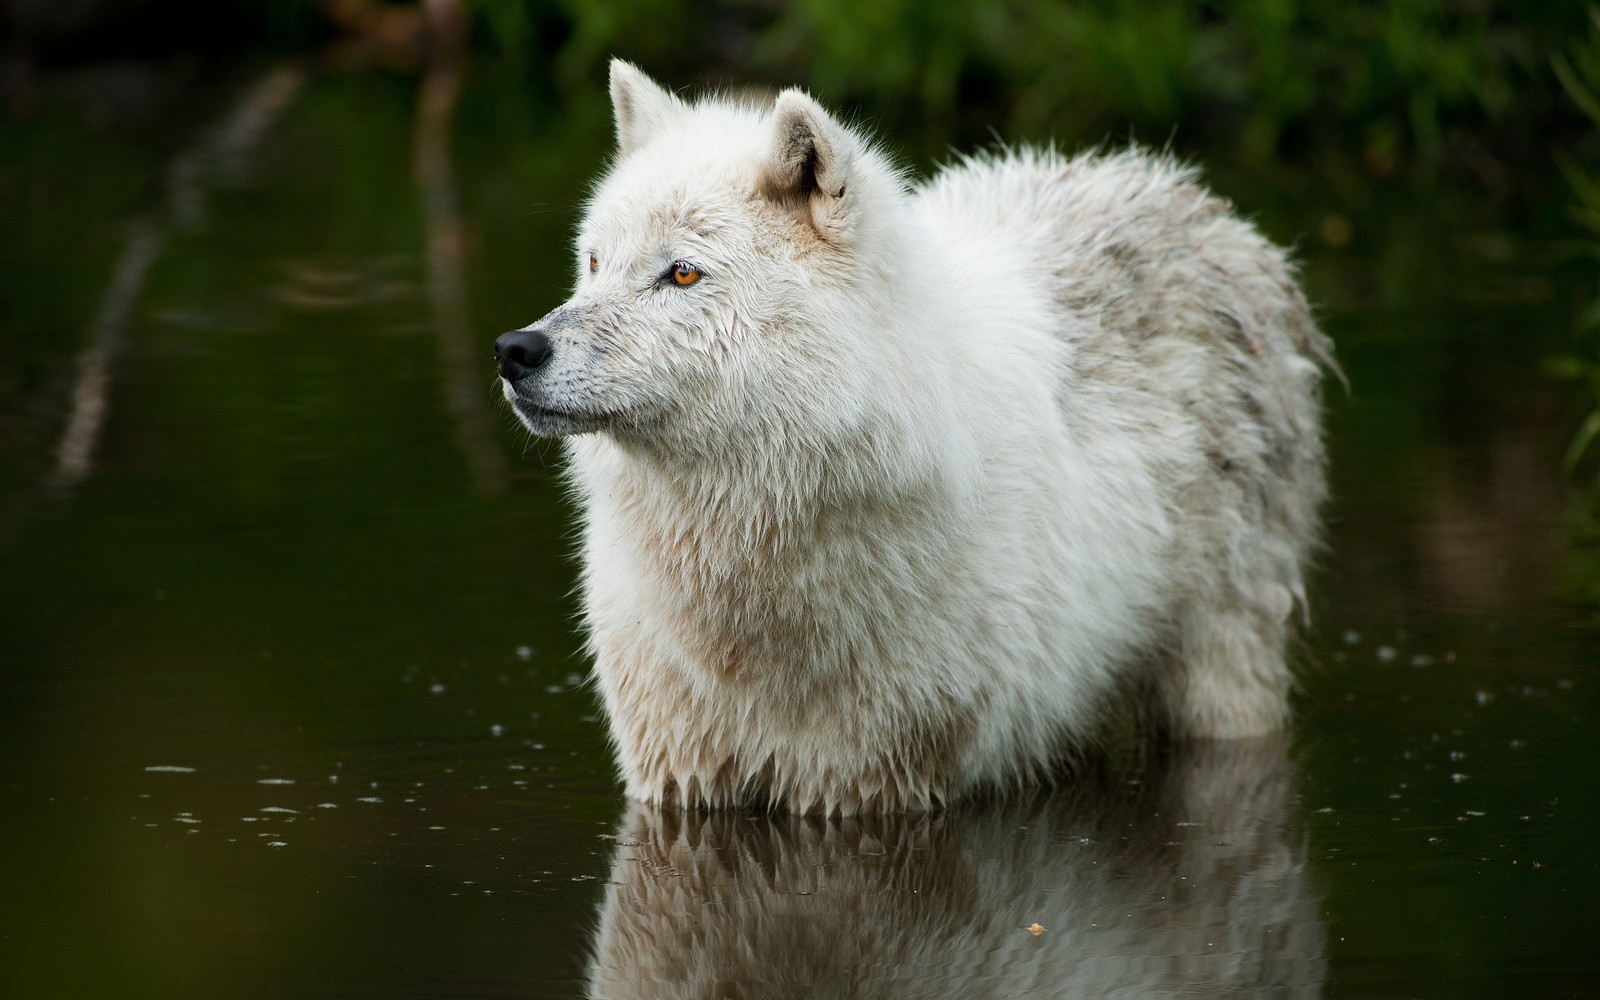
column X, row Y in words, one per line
column 918, row 482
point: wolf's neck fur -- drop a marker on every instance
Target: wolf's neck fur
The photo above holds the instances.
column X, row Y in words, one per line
column 756, row 508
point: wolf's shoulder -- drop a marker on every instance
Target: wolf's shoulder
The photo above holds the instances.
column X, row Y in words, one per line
column 1041, row 187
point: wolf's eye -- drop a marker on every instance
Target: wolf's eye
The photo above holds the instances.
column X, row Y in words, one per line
column 594, row 264
column 684, row 273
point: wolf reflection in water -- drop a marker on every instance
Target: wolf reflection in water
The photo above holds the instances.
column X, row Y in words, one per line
column 1189, row 881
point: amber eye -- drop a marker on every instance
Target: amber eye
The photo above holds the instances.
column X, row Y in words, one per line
column 684, row 274
column 594, row 264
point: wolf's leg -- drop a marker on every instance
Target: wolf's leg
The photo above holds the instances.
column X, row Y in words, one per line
column 1228, row 677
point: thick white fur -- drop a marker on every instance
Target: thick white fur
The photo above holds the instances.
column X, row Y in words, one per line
column 917, row 482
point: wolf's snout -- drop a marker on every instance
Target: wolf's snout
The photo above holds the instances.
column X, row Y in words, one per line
column 521, row 353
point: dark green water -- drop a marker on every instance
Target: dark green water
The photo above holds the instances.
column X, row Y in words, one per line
column 291, row 703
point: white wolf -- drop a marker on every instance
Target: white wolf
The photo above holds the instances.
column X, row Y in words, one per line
column 894, row 493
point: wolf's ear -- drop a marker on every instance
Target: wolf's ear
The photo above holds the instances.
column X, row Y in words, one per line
column 810, row 163
column 639, row 105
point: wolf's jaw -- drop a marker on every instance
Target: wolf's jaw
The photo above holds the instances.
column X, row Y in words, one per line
column 552, row 422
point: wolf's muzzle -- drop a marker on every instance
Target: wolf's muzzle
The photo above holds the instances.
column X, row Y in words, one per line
column 521, row 353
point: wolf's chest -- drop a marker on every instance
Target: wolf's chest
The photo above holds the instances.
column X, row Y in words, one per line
column 739, row 605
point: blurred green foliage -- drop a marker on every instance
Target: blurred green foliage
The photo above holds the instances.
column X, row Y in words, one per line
column 1387, row 82
column 1577, row 66
column 1578, row 69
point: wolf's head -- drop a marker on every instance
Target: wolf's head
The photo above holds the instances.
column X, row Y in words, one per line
column 728, row 268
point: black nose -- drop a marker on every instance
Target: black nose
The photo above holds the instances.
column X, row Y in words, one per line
column 521, row 353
